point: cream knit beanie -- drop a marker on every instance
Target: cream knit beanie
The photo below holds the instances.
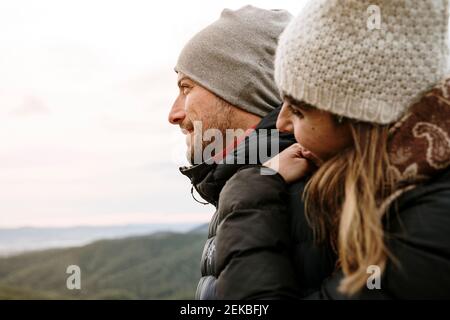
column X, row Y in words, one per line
column 337, row 57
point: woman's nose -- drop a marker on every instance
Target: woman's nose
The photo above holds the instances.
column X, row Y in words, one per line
column 284, row 123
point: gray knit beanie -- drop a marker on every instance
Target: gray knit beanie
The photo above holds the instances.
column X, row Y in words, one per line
column 333, row 57
column 233, row 57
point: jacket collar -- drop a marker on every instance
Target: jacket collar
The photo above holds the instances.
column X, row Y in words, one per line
column 209, row 179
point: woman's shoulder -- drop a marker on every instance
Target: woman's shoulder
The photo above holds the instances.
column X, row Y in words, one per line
column 420, row 218
column 430, row 198
column 417, row 230
column 423, row 211
column 418, row 236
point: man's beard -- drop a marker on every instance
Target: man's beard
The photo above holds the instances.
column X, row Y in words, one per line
column 195, row 152
column 221, row 122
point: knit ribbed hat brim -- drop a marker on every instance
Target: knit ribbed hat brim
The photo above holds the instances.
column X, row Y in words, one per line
column 330, row 58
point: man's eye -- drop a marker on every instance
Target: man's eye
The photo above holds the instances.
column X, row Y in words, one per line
column 184, row 89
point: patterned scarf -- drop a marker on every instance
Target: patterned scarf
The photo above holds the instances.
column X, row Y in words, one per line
column 419, row 143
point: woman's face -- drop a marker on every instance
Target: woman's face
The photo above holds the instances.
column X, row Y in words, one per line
column 315, row 130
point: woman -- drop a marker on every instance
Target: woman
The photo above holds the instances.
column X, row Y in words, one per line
column 372, row 122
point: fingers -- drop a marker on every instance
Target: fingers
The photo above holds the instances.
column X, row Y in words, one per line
column 303, row 163
column 295, row 150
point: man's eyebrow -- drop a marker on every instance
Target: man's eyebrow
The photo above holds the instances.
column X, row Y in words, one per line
column 182, row 78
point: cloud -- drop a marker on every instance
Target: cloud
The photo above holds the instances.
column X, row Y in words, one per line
column 31, row 106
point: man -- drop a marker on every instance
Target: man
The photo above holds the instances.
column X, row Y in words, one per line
column 225, row 74
column 225, row 80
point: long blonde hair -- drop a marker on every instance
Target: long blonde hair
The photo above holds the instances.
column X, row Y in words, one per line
column 343, row 200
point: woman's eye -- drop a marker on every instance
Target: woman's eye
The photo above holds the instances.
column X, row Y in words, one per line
column 295, row 111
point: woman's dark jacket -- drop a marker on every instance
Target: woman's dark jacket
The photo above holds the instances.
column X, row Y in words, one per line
column 417, row 234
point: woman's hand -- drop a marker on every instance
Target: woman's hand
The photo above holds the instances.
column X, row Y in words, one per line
column 290, row 163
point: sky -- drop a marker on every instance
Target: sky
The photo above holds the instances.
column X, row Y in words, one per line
column 85, row 89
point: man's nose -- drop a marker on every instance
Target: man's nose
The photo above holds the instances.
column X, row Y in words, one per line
column 177, row 113
column 284, row 124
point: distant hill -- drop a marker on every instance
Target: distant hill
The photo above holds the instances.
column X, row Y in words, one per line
column 201, row 229
column 163, row 265
column 19, row 240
